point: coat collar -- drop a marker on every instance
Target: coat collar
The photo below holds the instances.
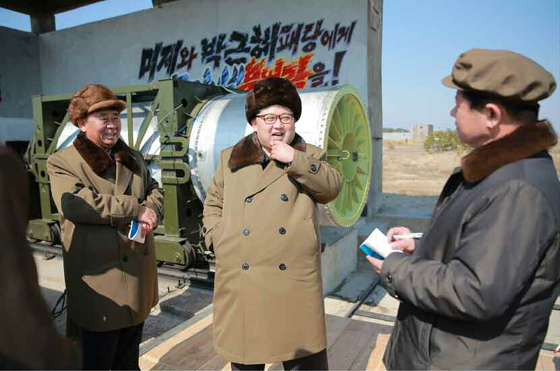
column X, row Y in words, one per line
column 524, row 142
column 248, row 151
column 99, row 160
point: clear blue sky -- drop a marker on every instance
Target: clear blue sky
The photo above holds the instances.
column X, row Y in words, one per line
column 421, row 40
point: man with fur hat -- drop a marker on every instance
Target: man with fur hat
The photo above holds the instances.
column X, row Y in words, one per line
column 478, row 290
column 259, row 219
column 99, row 185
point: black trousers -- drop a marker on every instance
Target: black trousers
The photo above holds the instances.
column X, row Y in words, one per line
column 112, row 350
column 317, row 361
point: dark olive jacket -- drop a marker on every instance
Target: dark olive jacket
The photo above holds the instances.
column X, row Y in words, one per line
column 478, row 291
column 28, row 338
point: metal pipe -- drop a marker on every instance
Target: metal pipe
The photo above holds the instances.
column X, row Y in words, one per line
column 363, row 298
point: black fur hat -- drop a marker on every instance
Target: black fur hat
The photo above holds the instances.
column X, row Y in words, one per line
column 271, row 91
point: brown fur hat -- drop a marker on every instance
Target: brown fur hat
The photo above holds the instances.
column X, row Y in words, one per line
column 93, row 98
column 271, row 91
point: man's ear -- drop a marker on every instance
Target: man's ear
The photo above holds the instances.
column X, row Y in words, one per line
column 254, row 124
column 82, row 124
column 494, row 115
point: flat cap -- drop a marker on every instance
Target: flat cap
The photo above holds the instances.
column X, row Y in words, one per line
column 93, row 98
column 271, row 91
column 501, row 74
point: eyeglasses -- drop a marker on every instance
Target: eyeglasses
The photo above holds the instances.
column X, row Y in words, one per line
column 285, row 118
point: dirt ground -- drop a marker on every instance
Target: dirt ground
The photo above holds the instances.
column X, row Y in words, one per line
column 409, row 170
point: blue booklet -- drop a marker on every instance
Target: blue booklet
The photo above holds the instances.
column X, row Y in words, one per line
column 369, row 252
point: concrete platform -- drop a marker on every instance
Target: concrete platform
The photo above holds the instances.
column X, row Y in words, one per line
column 339, row 258
column 413, row 212
column 352, row 345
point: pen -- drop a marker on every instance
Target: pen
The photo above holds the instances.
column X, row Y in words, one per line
column 405, row 236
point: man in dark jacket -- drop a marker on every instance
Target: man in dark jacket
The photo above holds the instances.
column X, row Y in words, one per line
column 478, row 291
column 28, row 339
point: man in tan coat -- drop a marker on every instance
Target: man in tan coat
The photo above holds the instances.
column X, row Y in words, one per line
column 99, row 186
column 259, row 218
column 28, row 338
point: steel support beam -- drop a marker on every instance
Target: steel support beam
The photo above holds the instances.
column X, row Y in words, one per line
column 42, row 23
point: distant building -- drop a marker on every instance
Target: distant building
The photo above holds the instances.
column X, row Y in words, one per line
column 421, row 132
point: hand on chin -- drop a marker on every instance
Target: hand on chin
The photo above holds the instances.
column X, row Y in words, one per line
column 281, row 151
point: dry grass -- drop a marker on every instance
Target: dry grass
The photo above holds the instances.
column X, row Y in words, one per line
column 408, row 169
column 394, row 143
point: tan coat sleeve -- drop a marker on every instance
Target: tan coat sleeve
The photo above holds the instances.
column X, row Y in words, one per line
column 80, row 204
column 213, row 205
column 154, row 196
column 315, row 175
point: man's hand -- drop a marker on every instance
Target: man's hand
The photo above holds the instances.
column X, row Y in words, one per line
column 282, row 152
column 406, row 246
column 145, row 229
column 376, row 263
column 148, row 218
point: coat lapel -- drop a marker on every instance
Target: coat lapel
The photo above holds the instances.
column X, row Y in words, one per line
column 123, row 179
column 251, row 177
column 271, row 173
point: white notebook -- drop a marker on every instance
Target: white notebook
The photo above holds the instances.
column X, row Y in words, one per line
column 377, row 241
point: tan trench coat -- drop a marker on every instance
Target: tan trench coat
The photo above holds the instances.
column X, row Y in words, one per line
column 111, row 281
column 28, row 338
column 268, row 293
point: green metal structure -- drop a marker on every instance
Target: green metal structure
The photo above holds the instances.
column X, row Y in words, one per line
column 348, row 146
column 169, row 108
column 175, row 103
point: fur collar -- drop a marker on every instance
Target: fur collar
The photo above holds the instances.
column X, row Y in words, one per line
column 99, row 160
column 524, row 142
column 248, row 151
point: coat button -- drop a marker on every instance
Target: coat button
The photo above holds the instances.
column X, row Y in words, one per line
column 313, row 168
column 282, row 230
column 125, row 258
column 246, row 232
column 389, row 278
column 245, row 266
column 282, row 267
column 284, row 197
column 249, row 199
